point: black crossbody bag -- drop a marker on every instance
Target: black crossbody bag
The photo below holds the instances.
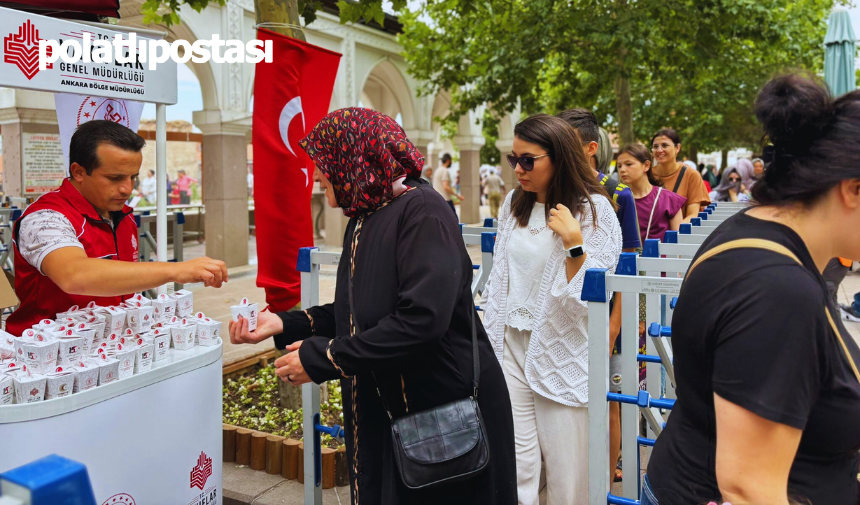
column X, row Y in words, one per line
column 442, row 444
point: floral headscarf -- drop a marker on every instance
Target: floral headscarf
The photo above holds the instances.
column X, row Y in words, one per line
column 365, row 155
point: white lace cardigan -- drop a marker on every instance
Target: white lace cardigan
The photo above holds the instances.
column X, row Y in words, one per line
column 557, row 357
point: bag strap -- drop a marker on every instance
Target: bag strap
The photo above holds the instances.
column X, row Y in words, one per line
column 756, row 243
column 678, row 180
column 648, row 229
column 476, row 358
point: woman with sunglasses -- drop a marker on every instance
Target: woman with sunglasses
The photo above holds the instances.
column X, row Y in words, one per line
column 677, row 177
column 768, row 406
column 554, row 227
column 732, row 189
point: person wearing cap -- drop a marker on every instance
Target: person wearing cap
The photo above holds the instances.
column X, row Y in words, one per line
column 79, row 243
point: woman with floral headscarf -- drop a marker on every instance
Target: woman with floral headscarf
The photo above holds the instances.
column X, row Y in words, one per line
column 413, row 308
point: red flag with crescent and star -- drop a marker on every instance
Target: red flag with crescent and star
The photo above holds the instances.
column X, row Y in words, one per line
column 291, row 95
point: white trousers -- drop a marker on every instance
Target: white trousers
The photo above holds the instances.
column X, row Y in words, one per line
column 548, row 429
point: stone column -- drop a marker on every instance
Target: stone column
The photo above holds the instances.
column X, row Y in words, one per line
column 421, row 140
column 508, row 175
column 19, row 115
column 335, row 225
column 225, row 193
column 470, row 178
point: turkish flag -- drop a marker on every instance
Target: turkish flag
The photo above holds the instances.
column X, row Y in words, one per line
column 291, row 95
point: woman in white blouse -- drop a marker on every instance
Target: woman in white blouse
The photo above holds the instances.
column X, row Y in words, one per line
column 552, row 229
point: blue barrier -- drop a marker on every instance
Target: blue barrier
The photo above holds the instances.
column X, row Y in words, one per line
column 656, row 330
column 52, row 480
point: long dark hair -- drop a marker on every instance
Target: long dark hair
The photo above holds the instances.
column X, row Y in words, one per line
column 816, row 140
column 642, row 154
column 573, row 181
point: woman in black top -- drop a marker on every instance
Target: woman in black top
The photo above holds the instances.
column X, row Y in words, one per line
column 768, row 405
column 413, row 305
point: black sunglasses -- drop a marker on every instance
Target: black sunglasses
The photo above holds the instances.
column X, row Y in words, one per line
column 527, row 162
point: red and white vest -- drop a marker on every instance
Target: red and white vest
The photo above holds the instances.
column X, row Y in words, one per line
column 40, row 297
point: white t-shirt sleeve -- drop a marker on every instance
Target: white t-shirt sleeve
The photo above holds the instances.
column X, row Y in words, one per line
column 42, row 233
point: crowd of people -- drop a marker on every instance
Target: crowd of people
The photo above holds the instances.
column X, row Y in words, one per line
column 768, row 390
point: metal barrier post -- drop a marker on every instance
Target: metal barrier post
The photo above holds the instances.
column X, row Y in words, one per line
column 178, row 236
column 629, row 370
column 310, row 392
column 479, row 280
column 595, row 293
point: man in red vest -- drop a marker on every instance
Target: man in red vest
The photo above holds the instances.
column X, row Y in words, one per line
column 79, row 242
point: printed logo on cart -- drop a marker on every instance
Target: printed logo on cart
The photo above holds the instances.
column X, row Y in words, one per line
column 200, row 473
column 22, row 49
column 120, row 499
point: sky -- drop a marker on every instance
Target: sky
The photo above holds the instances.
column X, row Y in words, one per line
column 189, row 98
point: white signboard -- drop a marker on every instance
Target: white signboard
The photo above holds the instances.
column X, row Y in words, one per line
column 160, row 444
column 42, row 162
column 19, row 62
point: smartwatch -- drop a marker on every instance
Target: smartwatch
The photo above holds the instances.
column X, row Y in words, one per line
column 575, row 251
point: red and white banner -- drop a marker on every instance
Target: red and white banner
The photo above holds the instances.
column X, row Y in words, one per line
column 75, row 110
column 291, row 95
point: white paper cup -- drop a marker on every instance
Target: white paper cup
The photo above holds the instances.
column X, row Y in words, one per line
column 108, row 371
column 86, row 376
column 59, row 385
column 163, row 308
column 184, row 302
column 29, row 389
column 248, row 312
column 126, row 358
column 41, row 357
column 206, row 333
column 89, row 336
column 183, row 337
column 161, row 344
column 71, row 350
column 143, row 358
column 114, row 320
column 7, row 389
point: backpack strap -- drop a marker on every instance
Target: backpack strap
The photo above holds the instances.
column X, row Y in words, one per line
column 757, row 243
column 613, row 187
column 678, row 180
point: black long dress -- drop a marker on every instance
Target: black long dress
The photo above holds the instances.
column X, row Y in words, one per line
column 412, row 289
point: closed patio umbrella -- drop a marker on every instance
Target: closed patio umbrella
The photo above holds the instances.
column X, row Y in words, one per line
column 839, row 54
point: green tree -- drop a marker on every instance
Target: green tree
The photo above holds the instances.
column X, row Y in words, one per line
column 490, row 129
column 690, row 64
column 165, row 12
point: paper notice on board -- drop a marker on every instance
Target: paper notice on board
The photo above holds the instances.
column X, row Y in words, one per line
column 42, row 162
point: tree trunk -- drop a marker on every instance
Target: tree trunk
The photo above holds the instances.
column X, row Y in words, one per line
column 725, row 160
column 624, row 110
column 282, row 16
column 693, row 153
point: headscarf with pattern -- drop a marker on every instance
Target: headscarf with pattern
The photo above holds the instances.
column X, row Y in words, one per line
column 365, row 155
